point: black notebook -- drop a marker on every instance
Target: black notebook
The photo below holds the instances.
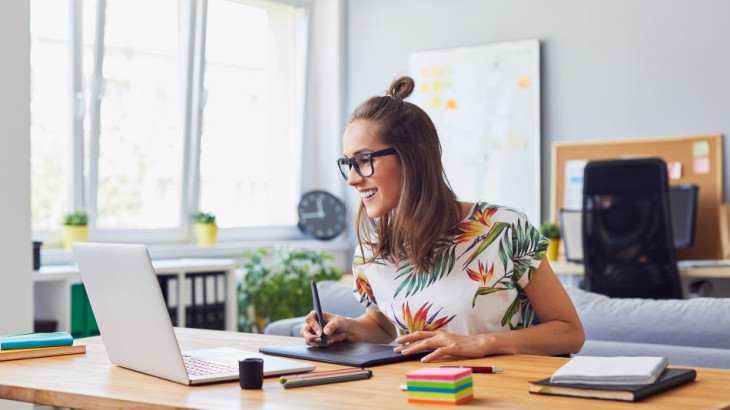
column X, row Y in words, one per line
column 633, row 392
column 356, row 354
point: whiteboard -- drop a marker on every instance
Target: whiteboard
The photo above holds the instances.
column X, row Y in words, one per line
column 485, row 103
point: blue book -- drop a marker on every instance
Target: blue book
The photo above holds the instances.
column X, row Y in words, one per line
column 33, row 340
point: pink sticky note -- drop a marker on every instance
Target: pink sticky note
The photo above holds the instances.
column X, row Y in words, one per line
column 438, row 373
column 701, row 165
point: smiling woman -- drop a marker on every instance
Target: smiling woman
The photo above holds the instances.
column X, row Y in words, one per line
column 461, row 279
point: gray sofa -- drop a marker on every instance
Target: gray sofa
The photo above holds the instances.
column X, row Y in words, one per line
column 693, row 332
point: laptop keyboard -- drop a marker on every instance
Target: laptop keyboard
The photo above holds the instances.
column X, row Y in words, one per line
column 201, row 367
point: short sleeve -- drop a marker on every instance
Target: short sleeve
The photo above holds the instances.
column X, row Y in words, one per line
column 528, row 247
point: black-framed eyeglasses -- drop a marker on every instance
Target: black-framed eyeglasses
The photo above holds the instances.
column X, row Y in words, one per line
column 363, row 163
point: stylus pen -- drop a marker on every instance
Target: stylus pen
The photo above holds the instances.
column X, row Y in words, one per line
column 335, row 378
column 480, row 369
column 318, row 311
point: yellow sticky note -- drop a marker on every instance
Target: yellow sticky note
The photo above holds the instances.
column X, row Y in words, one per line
column 437, row 85
column 516, row 141
column 524, row 81
column 435, row 102
column 425, row 87
column 701, row 149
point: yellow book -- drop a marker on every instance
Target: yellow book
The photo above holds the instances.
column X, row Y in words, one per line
column 15, row 354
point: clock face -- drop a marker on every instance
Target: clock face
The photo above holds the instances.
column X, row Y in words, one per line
column 321, row 214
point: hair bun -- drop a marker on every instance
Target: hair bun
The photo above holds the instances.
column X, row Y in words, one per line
column 401, row 87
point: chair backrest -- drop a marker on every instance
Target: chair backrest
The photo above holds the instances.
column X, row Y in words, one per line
column 628, row 248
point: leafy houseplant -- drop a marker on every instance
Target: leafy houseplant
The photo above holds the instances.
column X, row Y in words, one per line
column 75, row 228
column 551, row 231
column 276, row 284
column 206, row 231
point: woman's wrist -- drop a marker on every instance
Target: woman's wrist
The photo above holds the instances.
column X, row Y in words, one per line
column 494, row 343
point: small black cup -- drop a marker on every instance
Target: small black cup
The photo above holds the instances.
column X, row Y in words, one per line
column 37, row 255
column 251, row 373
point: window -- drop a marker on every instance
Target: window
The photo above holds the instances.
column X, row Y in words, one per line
column 144, row 112
column 251, row 135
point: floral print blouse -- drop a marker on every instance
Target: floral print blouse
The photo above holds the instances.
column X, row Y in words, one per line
column 475, row 285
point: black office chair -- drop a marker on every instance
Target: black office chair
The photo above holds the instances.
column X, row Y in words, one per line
column 628, row 248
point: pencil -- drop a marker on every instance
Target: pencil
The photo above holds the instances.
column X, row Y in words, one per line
column 284, row 379
column 326, row 379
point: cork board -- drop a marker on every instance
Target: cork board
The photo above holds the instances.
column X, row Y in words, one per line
column 707, row 242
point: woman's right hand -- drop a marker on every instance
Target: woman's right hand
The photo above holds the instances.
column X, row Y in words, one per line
column 335, row 329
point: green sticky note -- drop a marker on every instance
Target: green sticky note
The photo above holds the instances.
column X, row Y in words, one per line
column 701, row 149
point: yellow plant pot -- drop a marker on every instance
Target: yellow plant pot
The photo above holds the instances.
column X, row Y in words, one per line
column 73, row 233
column 552, row 250
column 206, row 234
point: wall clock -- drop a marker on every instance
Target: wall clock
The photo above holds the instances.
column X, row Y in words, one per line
column 321, row 214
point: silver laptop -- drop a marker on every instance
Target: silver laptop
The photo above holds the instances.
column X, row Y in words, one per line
column 135, row 325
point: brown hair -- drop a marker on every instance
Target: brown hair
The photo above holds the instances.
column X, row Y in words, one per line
column 418, row 227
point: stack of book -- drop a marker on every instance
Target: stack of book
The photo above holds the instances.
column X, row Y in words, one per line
column 613, row 378
column 30, row 345
column 440, row 385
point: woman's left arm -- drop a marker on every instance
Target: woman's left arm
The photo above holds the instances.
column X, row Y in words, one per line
column 559, row 331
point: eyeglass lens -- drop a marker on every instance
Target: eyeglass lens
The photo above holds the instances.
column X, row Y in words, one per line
column 363, row 164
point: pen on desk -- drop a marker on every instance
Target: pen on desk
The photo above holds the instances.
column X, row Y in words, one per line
column 481, row 369
column 326, row 379
column 318, row 311
column 284, row 379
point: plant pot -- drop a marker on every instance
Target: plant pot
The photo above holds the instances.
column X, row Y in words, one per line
column 74, row 233
column 206, row 234
column 552, row 250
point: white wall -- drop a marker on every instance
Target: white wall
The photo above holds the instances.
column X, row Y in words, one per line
column 611, row 69
column 16, row 301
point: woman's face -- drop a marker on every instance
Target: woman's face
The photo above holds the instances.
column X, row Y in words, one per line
column 379, row 192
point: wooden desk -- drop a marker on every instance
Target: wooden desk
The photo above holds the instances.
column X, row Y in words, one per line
column 91, row 381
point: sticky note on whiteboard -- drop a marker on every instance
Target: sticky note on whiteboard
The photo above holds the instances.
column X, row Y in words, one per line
column 701, row 149
column 701, row 165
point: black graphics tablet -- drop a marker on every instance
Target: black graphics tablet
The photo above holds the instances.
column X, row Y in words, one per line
column 356, row 354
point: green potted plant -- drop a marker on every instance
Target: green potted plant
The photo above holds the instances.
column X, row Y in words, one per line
column 276, row 284
column 75, row 228
column 206, row 230
column 551, row 231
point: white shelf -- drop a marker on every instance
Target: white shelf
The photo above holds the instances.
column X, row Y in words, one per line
column 52, row 288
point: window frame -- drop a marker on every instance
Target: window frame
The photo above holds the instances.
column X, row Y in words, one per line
column 83, row 192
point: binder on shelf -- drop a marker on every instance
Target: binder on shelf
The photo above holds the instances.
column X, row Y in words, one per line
column 83, row 323
column 189, row 301
column 220, row 289
column 210, row 299
column 168, row 286
column 198, row 302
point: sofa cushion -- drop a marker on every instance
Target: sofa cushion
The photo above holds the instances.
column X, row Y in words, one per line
column 677, row 355
column 700, row 322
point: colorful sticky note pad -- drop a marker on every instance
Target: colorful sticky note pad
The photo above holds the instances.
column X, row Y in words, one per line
column 440, row 385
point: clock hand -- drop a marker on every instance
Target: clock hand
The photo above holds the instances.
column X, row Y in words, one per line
column 320, row 210
column 310, row 215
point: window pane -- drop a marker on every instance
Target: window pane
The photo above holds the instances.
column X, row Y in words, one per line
column 49, row 112
column 141, row 142
column 251, row 137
